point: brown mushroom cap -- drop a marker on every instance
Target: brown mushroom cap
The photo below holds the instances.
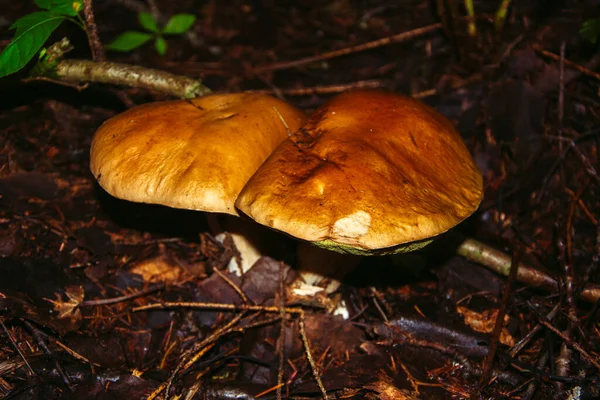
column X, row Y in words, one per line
column 370, row 173
column 195, row 154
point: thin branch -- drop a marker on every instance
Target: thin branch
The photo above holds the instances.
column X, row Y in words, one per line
column 377, row 297
column 130, row 75
column 234, row 307
column 495, row 338
column 16, row 347
column 217, row 306
column 310, row 358
column 40, row 340
column 455, row 85
column 92, row 31
column 281, row 341
column 561, row 86
column 153, row 9
column 561, row 104
column 78, row 87
column 401, row 37
column 235, row 287
column 114, row 300
column 499, row 262
column 325, row 89
column 582, row 206
column 567, row 63
column 53, row 66
column 592, row 359
column 589, row 168
column 191, row 356
column 76, row 355
column 527, row 338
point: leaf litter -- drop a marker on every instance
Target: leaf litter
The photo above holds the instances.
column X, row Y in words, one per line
column 76, row 264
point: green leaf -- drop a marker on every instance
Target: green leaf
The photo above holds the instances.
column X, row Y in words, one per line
column 128, row 41
column 179, row 24
column 31, row 20
column 64, row 7
column 32, row 32
column 161, row 45
column 43, row 3
column 148, row 22
column 590, row 30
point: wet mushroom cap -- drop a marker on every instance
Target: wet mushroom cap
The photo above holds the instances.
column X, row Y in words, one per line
column 195, row 154
column 371, row 172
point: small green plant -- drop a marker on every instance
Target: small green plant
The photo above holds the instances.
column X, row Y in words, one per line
column 590, row 30
column 34, row 29
column 176, row 25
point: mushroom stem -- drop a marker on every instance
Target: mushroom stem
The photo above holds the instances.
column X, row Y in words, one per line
column 246, row 246
column 251, row 240
column 321, row 268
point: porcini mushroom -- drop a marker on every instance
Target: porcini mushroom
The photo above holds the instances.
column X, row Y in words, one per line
column 195, row 154
column 370, row 173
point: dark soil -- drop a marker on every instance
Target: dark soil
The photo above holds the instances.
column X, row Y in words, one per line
column 421, row 326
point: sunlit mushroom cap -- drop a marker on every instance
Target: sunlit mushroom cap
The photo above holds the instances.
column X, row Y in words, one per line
column 195, row 154
column 370, row 173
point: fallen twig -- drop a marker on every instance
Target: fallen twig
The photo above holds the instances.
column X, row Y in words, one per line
column 400, row 37
column 130, row 75
column 527, row 338
column 114, row 300
column 40, row 339
column 499, row 262
column 188, row 361
column 233, row 285
column 567, row 63
column 325, row 89
column 576, row 346
column 495, row 338
column 582, row 206
column 192, row 355
column 217, row 306
column 53, row 66
column 281, row 341
column 455, row 85
column 309, row 356
column 16, row 347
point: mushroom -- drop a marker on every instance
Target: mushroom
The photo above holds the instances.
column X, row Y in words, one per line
column 370, row 173
column 192, row 154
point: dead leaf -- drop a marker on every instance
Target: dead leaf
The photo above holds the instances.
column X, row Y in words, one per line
column 484, row 322
column 69, row 309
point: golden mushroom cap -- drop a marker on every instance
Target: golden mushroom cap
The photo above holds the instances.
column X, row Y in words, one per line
column 195, row 154
column 371, row 172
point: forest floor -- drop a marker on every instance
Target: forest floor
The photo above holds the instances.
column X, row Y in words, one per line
column 75, row 262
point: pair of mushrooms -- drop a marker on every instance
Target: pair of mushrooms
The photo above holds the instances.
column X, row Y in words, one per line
column 370, row 172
